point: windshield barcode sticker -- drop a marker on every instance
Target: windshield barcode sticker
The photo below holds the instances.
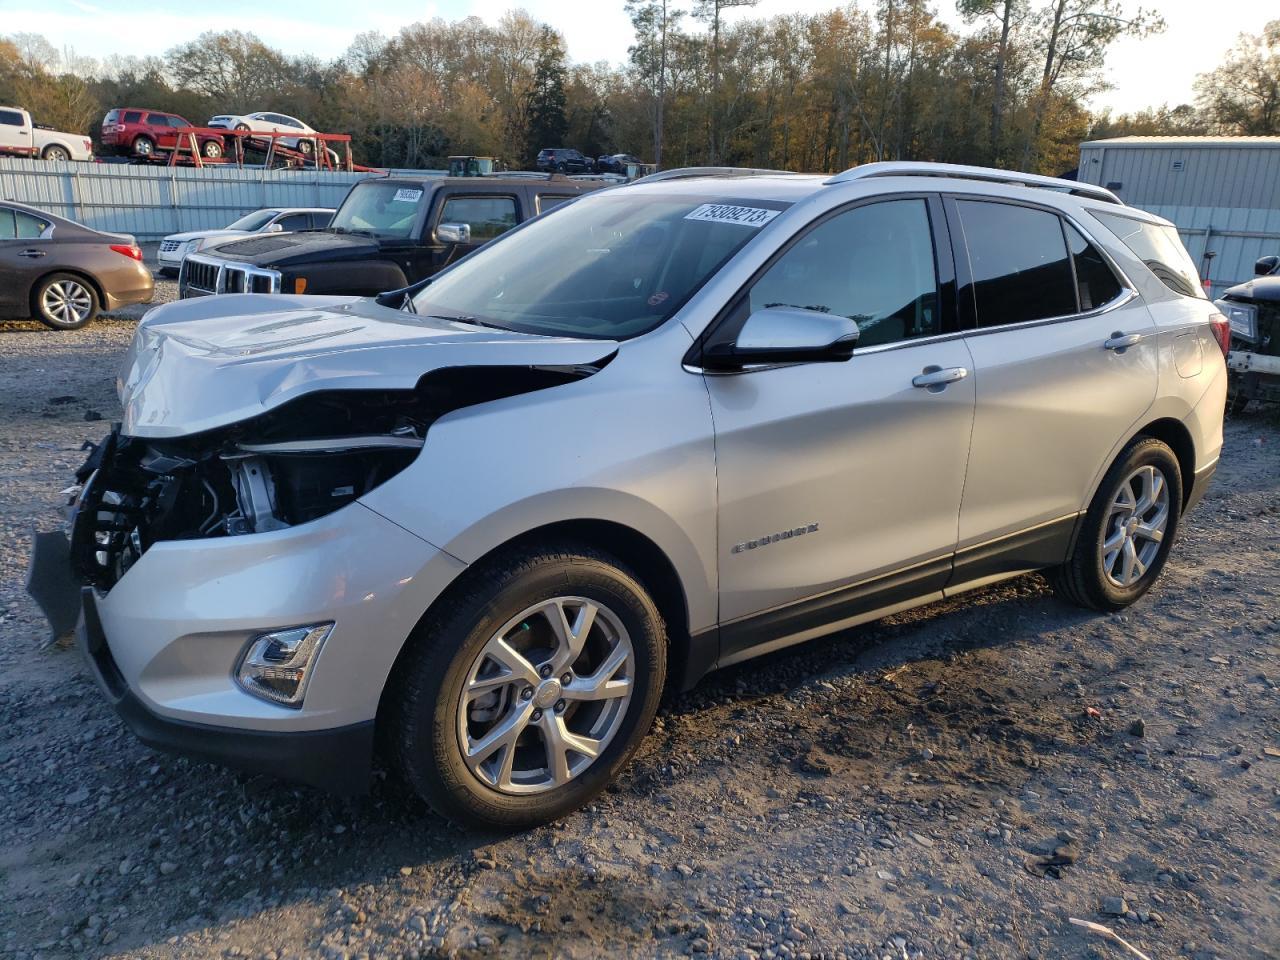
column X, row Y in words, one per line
column 407, row 195
column 729, row 213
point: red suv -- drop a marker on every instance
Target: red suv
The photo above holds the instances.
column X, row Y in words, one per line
column 141, row 133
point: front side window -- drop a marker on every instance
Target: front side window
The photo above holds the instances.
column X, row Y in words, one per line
column 1096, row 284
column 546, row 202
column 7, row 229
column 178, row 122
column 1018, row 259
column 253, row 221
column 380, row 208
column 873, row 264
column 611, row 265
column 488, row 217
column 295, row 221
column 11, row 118
column 1159, row 247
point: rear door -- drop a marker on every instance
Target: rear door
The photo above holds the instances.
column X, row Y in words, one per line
column 15, row 134
column 1066, row 364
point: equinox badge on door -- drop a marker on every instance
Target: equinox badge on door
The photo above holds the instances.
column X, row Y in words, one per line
column 774, row 538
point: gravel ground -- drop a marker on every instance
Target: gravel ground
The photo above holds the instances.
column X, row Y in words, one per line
column 952, row 782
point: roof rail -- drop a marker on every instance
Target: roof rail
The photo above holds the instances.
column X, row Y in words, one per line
column 911, row 168
column 682, row 173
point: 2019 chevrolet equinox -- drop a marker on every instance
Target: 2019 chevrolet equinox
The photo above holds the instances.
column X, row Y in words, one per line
column 680, row 423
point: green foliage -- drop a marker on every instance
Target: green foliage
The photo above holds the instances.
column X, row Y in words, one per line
column 1243, row 95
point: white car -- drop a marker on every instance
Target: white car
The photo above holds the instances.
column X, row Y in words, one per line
column 266, row 122
column 176, row 246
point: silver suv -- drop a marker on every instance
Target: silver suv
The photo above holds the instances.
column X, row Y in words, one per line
column 486, row 522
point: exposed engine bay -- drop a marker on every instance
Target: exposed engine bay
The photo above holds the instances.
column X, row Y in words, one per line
column 298, row 462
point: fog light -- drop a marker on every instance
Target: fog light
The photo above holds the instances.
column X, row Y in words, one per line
column 276, row 666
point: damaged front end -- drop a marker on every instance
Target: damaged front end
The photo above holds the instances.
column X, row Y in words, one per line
column 295, row 463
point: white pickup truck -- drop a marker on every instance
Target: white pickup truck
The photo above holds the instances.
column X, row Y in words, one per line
column 19, row 136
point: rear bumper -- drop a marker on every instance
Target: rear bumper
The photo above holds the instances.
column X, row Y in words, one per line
column 1203, row 477
column 129, row 283
column 338, row 759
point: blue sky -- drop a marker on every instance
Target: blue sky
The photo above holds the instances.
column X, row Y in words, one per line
column 1146, row 72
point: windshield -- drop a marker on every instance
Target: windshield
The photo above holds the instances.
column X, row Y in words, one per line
column 613, row 265
column 380, row 208
column 253, row 221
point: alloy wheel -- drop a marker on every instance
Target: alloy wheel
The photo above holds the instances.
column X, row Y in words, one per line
column 546, row 695
column 67, row 302
column 1135, row 526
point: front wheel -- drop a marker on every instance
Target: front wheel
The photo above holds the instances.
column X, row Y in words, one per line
column 1128, row 530
column 522, row 697
column 212, row 149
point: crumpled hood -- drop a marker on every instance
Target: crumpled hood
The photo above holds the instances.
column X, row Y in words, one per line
column 1259, row 289
column 200, row 234
column 198, row 364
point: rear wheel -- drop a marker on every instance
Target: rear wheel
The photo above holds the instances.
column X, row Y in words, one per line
column 64, row 301
column 144, row 146
column 524, row 695
column 56, row 152
column 1128, row 530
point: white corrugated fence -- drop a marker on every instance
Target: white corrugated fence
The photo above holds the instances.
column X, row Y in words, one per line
column 151, row 202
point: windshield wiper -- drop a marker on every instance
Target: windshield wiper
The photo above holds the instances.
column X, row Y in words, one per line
column 463, row 318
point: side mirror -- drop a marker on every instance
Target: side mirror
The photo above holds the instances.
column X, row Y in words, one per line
column 454, row 233
column 1266, row 266
column 786, row 335
column 275, row 228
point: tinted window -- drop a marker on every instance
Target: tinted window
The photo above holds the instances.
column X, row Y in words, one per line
column 872, row 264
column 1018, row 258
column 1096, row 285
column 488, row 217
column 295, row 221
column 7, row 231
column 1160, row 248
column 29, row 227
column 132, row 116
column 547, row 202
column 11, row 118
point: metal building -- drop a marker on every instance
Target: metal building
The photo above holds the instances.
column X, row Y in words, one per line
column 1222, row 192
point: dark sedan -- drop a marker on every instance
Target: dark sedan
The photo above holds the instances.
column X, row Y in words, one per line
column 61, row 272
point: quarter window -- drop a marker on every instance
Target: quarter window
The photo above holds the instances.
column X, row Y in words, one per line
column 1018, row 259
column 1160, row 248
column 1096, row 285
column 488, row 217
column 873, row 264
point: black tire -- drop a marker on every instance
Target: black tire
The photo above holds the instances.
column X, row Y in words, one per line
column 56, row 152
column 242, row 127
column 422, row 703
column 1083, row 579
column 211, row 149
column 143, row 146
column 306, row 148
column 66, row 288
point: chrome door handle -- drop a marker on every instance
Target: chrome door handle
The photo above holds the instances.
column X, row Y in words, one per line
column 935, row 378
column 32, row 254
column 1122, row 341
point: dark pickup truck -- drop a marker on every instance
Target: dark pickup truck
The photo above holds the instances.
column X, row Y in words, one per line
column 388, row 233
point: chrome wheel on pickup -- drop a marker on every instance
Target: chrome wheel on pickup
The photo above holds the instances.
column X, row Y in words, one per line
column 521, row 697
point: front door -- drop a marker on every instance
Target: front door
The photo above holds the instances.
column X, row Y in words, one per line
column 487, row 216
column 1066, row 364
column 15, row 135
column 840, row 483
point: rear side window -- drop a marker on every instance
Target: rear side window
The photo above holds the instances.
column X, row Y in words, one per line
column 1160, row 248
column 29, row 227
column 133, row 116
column 1096, row 285
column 488, row 217
column 1018, row 259
column 11, row 118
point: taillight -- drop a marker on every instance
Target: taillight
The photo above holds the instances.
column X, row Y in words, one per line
column 125, row 250
column 1221, row 328
column 119, row 128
